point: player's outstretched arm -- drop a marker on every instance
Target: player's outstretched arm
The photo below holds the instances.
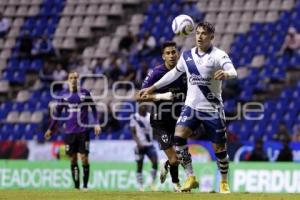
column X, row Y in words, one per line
column 144, row 96
column 167, row 79
column 140, row 96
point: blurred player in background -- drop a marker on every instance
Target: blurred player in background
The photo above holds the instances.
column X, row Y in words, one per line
column 75, row 101
column 168, row 103
column 142, row 134
column 205, row 66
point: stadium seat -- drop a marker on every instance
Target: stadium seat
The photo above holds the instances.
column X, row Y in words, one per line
column 101, row 22
column 12, row 117
column 116, row 10
column 84, row 32
column 89, row 21
column 275, row 5
column 37, row 117
column 24, row 117
column 287, row 4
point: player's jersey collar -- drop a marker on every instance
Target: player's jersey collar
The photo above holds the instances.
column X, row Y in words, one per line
column 207, row 52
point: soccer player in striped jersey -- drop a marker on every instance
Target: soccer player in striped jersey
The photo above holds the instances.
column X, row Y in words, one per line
column 75, row 101
column 205, row 67
column 142, row 134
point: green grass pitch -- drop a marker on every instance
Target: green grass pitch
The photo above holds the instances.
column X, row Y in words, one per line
column 100, row 195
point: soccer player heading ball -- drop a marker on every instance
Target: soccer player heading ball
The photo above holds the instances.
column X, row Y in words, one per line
column 76, row 136
column 205, row 67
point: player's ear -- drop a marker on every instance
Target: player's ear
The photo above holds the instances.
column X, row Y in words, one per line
column 163, row 57
column 212, row 37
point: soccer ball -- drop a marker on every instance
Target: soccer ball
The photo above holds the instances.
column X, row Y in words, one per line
column 183, row 25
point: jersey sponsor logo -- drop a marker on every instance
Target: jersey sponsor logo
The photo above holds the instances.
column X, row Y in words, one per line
column 199, row 80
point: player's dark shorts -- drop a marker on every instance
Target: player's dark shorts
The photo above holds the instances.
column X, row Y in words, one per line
column 140, row 153
column 164, row 133
column 77, row 143
column 214, row 123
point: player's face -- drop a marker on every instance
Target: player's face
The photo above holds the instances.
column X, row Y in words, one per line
column 143, row 109
column 203, row 38
column 72, row 80
column 170, row 56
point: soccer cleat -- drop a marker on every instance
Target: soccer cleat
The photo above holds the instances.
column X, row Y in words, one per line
column 224, row 187
column 190, row 183
column 153, row 187
column 177, row 187
column 85, row 189
column 141, row 189
column 163, row 172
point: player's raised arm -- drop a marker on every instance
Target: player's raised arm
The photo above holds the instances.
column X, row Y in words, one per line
column 168, row 78
column 140, row 97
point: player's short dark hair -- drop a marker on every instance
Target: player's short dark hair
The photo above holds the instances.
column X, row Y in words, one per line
column 167, row 44
column 206, row 26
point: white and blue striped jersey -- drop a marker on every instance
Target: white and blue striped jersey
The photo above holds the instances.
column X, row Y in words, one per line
column 143, row 128
column 204, row 93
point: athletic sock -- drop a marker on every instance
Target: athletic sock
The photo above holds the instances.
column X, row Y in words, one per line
column 139, row 179
column 183, row 155
column 223, row 164
column 75, row 175
column 174, row 173
column 86, row 175
column 153, row 175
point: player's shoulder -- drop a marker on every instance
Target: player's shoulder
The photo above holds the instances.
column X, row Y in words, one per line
column 160, row 69
column 218, row 52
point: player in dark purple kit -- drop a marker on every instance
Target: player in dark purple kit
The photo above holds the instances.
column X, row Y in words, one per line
column 75, row 101
column 168, row 102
